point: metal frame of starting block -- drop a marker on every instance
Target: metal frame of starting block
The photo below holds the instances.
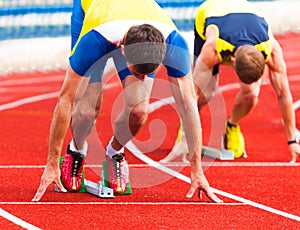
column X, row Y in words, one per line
column 220, row 154
column 98, row 189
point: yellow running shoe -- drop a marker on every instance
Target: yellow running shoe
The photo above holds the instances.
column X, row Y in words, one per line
column 234, row 140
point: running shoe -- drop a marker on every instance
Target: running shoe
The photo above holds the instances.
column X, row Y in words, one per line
column 71, row 170
column 234, row 140
column 118, row 173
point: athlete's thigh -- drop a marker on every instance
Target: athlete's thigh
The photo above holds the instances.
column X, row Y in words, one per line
column 89, row 98
column 93, row 92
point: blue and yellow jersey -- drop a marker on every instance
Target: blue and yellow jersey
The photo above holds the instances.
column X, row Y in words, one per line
column 80, row 7
column 113, row 18
column 85, row 4
column 237, row 23
column 105, row 24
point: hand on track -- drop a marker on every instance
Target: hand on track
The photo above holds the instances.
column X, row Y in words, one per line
column 50, row 175
column 199, row 182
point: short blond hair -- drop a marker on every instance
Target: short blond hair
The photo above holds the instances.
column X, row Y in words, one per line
column 249, row 64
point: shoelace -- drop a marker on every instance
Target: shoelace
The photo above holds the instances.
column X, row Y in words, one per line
column 117, row 163
column 76, row 164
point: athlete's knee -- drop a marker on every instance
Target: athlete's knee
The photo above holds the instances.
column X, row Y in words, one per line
column 98, row 107
column 250, row 93
column 83, row 113
column 139, row 113
column 204, row 97
column 201, row 101
column 251, row 98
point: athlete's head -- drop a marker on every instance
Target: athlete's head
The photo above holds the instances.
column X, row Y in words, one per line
column 249, row 64
column 144, row 48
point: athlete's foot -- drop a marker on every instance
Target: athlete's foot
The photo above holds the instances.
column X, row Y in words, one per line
column 234, row 140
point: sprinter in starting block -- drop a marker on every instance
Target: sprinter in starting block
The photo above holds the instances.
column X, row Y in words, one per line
column 103, row 188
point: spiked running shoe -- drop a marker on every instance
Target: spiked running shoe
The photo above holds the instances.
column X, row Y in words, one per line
column 118, row 173
column 71, row 170
column 234, row 140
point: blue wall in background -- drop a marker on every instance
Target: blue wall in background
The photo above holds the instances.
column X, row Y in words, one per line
column 15, row 31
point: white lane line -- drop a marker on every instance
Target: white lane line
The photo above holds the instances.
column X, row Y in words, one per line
column 160, row 103
column 17, row 220
column 175, row 164
column 157, row 165
column 30, row 81
column 20, row 102
column 28, row 100
column 154, row 106
column 119, row 203
column 41, row 97
column 135, row 151
column 296, row 105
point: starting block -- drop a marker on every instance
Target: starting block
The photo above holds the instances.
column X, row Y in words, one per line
column 98, row 189
column 221, row 154
column 223, row 147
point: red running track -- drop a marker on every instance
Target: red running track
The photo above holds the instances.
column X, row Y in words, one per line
column 260, row 192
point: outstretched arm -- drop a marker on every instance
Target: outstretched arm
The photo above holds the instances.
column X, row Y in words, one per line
column 59, row 126
column 279, row 81
column 205, row 84
column 185, row 97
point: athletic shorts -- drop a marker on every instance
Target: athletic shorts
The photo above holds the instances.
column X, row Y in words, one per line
column 93, row 50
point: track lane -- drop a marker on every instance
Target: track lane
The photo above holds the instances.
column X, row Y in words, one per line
column 238, row 217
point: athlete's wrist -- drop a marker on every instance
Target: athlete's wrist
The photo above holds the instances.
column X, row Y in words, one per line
column 295, row 141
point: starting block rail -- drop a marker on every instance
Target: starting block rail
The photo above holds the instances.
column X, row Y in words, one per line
column 220, row 154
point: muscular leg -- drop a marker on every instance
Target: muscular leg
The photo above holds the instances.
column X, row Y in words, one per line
column 135, row 114
column 245, row 101
column 85, row 112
